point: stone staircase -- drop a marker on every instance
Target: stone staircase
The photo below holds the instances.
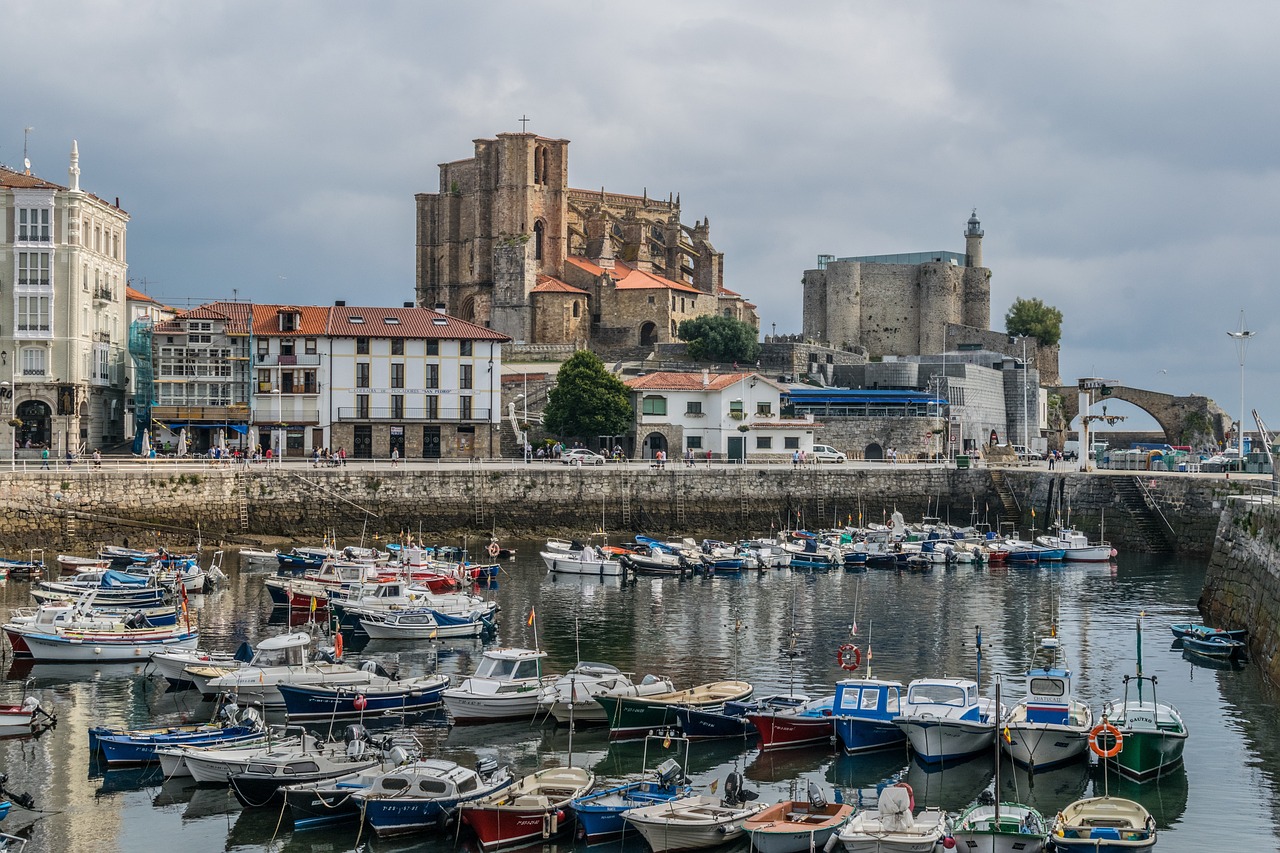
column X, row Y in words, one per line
column 1146, row 519
column 1010, row 509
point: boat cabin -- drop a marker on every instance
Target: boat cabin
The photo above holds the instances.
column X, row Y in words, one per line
column 954, row 698
column 867, row 698
column 511, row 665
column 427, row 779
column 1048, row 686
column 285, row 650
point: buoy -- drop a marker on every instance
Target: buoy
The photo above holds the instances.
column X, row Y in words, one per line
column 360, row 703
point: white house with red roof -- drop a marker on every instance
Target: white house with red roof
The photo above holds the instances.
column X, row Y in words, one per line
column 728, row 415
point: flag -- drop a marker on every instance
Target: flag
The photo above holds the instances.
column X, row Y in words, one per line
column 1008, row 735
column 433, row 634
column 666, row 742
column 530, row 622
column 313, row 604
column 714, row 784
column 853, row 629
column 1033, row 512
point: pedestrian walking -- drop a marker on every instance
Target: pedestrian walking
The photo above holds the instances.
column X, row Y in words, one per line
column 395, row 457
column 44, row 459
column 97, row 458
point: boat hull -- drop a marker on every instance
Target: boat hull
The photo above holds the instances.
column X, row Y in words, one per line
column 303, row 702
column 46, row 648
column 473, row 709
column 786, row 731
column 936, row 740
column 1147, row 755
column 858, row 735
column 796, row 827
column 694, row 823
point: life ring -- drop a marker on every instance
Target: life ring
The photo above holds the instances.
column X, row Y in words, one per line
column 1106, row 728
column 850, row 657
column 493, row 549
column 337, row 645
column 911, row 795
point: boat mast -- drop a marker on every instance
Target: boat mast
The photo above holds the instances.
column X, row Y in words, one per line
column 1139, row 658
column 996, row 822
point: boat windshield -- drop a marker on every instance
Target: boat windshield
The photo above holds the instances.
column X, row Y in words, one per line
column 1048, row 687
column 936, row 694
column 496, row 668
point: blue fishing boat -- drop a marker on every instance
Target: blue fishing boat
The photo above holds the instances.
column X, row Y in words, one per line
column 1219, row 646
column 731, row 720
column 297, row 564
column 382, row 695
column 138, row 746
column 600, row 812
column 863, row 711
column 424, row 795
column 1185, row 629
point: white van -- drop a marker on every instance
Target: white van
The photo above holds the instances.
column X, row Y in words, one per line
column 827, row 453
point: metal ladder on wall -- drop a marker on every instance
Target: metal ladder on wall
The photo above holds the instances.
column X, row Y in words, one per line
column 818, row 492
column 241, row 486
column 476, row 498
column 744, row 506
column 625, row 499
column 679, row 487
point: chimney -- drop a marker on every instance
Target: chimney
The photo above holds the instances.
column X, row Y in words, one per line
column 706, row 377
column 339, row 303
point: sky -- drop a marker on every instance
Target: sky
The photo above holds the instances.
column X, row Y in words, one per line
column 1121, row 156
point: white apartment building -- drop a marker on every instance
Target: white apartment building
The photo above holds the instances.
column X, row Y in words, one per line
column 63, row 348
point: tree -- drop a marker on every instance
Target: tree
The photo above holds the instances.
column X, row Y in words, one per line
column 720, row 339
column 588, row 400
column 1032, row 317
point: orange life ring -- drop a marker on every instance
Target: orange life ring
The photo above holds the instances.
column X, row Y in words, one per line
column 493, row 549
column 337, row 645
column 910, row 793
column 850, row 657
column 1117, row 740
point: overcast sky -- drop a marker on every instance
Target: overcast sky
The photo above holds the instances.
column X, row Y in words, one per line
column 1121, row 156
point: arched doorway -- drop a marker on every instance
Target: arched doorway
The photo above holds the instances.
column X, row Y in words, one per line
column 653, row 442
column 648, row 334
column 37, row 423
column 873, row 453
column 467, row 311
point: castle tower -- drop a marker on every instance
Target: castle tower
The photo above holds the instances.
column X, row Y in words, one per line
column 973, row 241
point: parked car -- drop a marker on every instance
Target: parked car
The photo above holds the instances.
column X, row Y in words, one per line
column 827, row 453
column 581, row 456
column 1026, row 455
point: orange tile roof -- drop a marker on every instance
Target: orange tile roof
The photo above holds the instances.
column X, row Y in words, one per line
column 235, row 317
column 627, row 277
column 19, row 180
column 406, row 323
column 549, row 284
column 312, row 320
column 672, row 381
column 583, row 263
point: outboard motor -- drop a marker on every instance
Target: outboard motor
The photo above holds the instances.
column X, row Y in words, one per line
column 355, row 732
column 355, row 748
column 734, row 793
column 397, row 755
column 817, row 800
column 24, row 800
column 230, row 712
column 669, row 773
column 251, row 718
column 486, row 765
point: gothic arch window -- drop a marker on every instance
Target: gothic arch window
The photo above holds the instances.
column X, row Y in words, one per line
column 577, row 309
column 468, row 310
column 540, row 164
column 537, row 240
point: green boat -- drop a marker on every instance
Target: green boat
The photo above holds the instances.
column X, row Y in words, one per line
column 1152, row 733
column 633, row 717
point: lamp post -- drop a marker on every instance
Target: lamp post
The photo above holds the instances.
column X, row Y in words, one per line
column 275, row 441
column 1024, row 393
column 1241, row 337
column 524, row 430
column 6, row 392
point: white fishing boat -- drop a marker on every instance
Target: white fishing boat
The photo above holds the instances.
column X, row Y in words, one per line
column 1104, row 825
column 211, row 765
column 945, row 720
column 172, row 664
column 258, row 558
column 1076, row 546
column 507, row 685
column 893, row 826
column 115, row 644
column 1049, row 726
column 588, row 561
column 586, row 681
column 535, row 808
column 696, row 822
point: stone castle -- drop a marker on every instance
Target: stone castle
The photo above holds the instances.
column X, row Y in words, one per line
column 506, row 243
column 898, row 304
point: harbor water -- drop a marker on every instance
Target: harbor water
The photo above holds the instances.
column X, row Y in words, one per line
column 778, row 629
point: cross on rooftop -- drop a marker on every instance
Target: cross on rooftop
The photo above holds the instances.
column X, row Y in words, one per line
column 524, row 123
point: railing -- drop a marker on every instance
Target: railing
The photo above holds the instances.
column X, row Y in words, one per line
column 26, row 235
column 103, row 293
column 33, row 281
column 204, row 414
column 269, row 360
column 386, row 413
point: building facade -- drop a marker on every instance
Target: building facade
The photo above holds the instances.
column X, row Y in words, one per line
column 63, row 270
column 497, row 245
column 715, row 415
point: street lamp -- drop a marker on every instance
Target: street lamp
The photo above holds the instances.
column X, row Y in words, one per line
column 6, row 392
column 1241, row 337
column 524, row 430
column 275, row 440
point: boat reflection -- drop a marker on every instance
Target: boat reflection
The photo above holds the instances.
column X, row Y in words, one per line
column 1166, row 798
column 1204, row 662
column 1046, row 790
column 950, row 787
column 783, row 765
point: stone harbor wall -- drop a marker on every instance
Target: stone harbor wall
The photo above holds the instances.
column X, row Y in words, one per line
column 73, row 511
column 1242, row 583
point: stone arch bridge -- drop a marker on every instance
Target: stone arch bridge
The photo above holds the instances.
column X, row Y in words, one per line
column 1191, row 420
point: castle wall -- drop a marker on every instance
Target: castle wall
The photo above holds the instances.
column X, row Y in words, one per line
column 554, row 320
column 891, row 303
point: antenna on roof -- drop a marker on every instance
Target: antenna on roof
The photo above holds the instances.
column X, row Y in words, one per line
column 26, row 136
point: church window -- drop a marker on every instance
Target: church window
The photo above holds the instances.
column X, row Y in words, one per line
column 537, row 241
column 577, row 308
column 539, row 154
column 674, row 333
column 651, row 300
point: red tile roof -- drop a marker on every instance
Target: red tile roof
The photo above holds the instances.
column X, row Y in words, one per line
column 548, row 284
column 583, row 263
column 312, row 320
column 627, row 277
column 406, row 323
column 234, row 315
column 19, row 180
column 681, row 381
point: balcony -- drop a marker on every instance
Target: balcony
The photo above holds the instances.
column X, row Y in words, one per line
column 33, row 281
column 102, row 337
column 27, row 234
column 103, row 295
column 238, row 413
column 286, row 414
column 264, row 359
column 386, row 413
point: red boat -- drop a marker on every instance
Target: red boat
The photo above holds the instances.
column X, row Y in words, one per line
column 533, row 809
column 804, row 725
column 22, row 716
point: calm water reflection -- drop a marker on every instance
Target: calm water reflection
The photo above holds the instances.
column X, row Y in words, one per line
column 697, row 630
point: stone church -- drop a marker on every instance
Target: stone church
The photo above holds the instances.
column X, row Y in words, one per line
column 508, row 244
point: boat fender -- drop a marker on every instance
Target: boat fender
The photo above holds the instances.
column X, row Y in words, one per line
column 359, row 703
column 832, row 841
column 1117, row 740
